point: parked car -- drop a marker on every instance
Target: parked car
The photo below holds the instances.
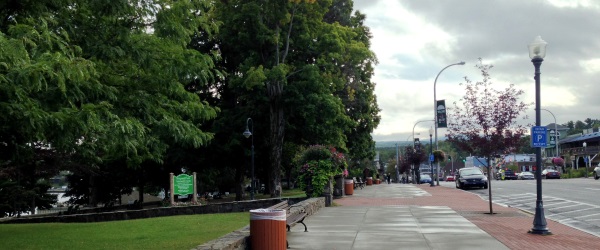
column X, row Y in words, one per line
column 450, row 178
column 597, row 172
column 509, row 175
column 425, row 178
column 550, row 174
column 525, row 176
column 471, row 177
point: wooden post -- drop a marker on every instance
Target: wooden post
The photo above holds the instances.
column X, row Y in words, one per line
column 195, row 194
column 172, row 189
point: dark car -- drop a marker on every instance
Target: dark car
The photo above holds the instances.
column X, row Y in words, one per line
column 509, row 175
column 471, row 177
column 550, row 174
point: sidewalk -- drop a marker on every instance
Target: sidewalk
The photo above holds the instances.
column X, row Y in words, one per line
column 406, row 216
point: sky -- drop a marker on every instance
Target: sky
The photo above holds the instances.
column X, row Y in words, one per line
column 415, row 39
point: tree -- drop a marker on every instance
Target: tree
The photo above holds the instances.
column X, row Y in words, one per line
column 294, row 60
column 484, row 121
column 101, row 82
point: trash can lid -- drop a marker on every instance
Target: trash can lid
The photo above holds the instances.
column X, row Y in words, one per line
column 267, row 214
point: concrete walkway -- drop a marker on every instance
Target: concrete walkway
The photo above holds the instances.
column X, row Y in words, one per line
column 406, row 216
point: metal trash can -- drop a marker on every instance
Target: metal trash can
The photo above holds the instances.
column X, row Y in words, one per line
column 349, row 186
column 267, row 229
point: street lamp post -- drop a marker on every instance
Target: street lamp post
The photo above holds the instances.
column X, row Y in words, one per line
column 435, row 118
column 431, row 156
column 537, row 52
column 418, row 133
column 585, row 159
column 247, row 134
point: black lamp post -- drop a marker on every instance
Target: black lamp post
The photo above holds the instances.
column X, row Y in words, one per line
column 247, row 134
column 537, row 52
column 432, row 184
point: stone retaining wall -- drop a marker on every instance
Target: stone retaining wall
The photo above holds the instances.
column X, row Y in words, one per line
column 240, row 206
column 240, row 239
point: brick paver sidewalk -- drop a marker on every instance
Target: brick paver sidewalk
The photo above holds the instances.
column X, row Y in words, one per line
column 508, row 225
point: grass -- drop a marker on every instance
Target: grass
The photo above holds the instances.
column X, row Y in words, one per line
column 172, row 232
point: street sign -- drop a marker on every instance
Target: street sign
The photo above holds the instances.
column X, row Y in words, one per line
column 431, row 157
column 538, row 137
column 551, row 137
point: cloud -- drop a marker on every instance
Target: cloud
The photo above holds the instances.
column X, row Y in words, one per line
column 414, row 40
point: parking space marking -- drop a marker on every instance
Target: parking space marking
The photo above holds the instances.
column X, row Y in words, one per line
column 589, row 215
column 579, row 210
column 556, row 203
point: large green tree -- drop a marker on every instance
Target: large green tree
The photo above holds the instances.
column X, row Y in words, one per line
column 91, row 82
column 313, row 68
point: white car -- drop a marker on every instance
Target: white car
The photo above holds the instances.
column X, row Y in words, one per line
column 597, row 172
column 525, row 176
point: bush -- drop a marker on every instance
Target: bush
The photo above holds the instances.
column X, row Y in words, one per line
column 318, row 165
column 575, row 173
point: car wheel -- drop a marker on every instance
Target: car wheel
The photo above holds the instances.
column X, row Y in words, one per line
column 596, row 177
column 485, row 186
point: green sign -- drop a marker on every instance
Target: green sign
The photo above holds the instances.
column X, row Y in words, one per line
column 183, row 184
column 551, row 137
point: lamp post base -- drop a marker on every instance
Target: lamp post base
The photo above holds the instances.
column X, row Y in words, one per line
column 539, row 221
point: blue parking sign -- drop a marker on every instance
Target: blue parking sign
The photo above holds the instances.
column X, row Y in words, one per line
column 538, row 137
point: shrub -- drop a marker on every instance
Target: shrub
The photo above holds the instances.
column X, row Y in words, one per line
column 318, row 165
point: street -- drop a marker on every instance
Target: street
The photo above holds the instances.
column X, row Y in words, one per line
column 573, row 202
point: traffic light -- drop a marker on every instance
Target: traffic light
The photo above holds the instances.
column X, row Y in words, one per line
column 450, row 158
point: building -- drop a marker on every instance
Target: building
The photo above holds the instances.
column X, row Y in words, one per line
column 580, row 151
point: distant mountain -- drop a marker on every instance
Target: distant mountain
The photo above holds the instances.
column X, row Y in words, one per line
column 392, row 144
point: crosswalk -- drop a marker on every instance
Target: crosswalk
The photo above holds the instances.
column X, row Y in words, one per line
column 583, row 216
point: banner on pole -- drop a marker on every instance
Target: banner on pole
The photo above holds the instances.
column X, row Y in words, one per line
column 441, row 114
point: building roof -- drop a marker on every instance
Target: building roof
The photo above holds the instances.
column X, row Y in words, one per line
column 587, row 137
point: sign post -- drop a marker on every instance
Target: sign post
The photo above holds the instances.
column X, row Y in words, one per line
column 183, row 184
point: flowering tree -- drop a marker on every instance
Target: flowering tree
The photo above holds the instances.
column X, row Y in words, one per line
column 483, row 123
column 438, row 156
column 318, row 165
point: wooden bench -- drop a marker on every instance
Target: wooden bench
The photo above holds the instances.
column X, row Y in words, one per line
column 358, row 183
column 291, row 219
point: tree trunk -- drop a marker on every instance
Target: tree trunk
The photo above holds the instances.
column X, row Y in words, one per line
column 141, row 189
column 93, row 196
column 489, row 166
column 277, row 123
column 239, row 189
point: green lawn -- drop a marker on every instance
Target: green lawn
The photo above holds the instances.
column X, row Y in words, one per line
column 173, row 232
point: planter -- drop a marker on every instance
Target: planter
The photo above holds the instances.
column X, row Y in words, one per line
column 338, row 189
column 369, row 181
